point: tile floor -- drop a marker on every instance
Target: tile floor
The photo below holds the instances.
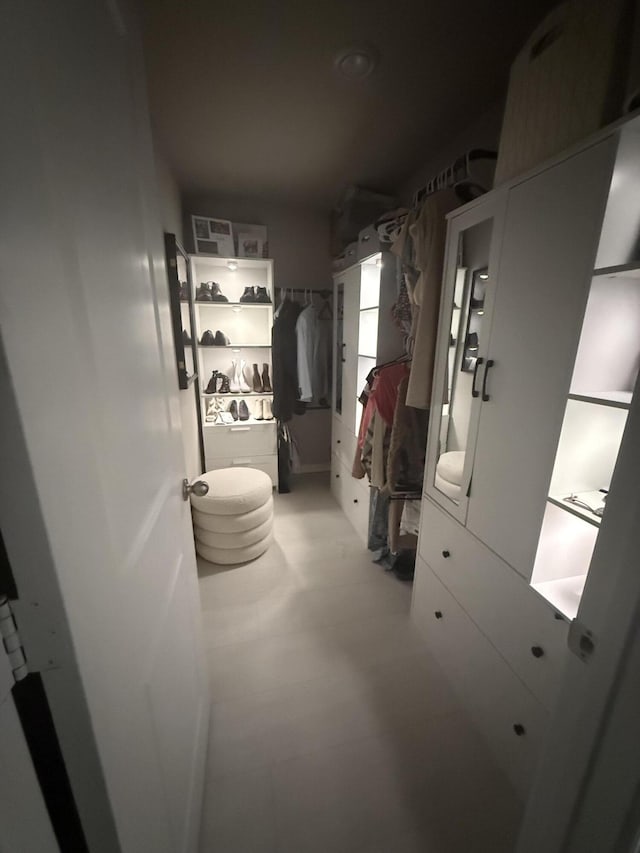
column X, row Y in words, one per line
column 332, row 728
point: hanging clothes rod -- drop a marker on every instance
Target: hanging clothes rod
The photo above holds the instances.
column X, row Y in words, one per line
column 325, row 294
column 458, row 171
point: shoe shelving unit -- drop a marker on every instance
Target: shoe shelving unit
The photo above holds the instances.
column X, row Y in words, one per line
column 243, row 443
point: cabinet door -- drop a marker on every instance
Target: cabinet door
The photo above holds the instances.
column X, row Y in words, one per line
column 347, row 296
column 473, row 241
column 547, row 257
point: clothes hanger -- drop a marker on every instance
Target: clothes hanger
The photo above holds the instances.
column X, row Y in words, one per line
column 325, row 307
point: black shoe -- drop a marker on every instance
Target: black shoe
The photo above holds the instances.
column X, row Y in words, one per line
column 262, row 295
column 207, row 339
column 472, row 341
column 477, row 303
column 266, row 382
column 216, row 294
column 243, row 411
column 184, row 291
column 213, row 383
column 203, row 293
column 221, row 340
column 257, row 381
column 248, row 295
column 223, row 387
column 185, row 337
column 233, row 409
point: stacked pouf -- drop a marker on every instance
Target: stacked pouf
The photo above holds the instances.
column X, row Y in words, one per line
column 449, row 472
column 233, row 522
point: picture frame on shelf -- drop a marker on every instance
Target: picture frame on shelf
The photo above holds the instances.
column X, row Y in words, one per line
column 213, row 236
column 250, row 246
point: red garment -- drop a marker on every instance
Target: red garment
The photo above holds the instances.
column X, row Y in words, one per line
column 385, row 389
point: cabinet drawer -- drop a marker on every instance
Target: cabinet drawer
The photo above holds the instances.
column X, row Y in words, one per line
column 240, row 439
column 343, row 442
column 268, row 464
column 337, row 478
column 519, row 623
column 508, row 716
column 368, row 242
column 356, row 506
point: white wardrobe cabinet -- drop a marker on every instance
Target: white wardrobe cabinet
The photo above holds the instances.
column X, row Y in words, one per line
column 364, row 336
column 543, row 246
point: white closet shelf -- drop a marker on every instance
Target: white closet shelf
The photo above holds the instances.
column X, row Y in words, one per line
column 631, row 270
column 239, row 395
column 233, row 304
column 564, row 593
column 617, row 399
column 235, row 346
column 239, row 423
column 591, row 498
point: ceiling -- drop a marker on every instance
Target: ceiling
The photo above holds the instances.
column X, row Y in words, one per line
column 245, row 99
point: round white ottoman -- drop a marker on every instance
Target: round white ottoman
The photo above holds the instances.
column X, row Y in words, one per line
column 233, row 522
column 449, row 471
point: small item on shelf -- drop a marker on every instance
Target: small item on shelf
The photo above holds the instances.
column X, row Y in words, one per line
column 266, row 382
column 452, row 341
column 243, row 411
column 221, row 340
column 575, row 500
column 267, row 414
column 262, row 295
column 257, row 381
column 248, row 295
column 477, row 303
column 235, row 379
column 233, row 410
column 185, row 337
column 244, row 385
column 212, row 387
column 216, row 294
column 212, row 411
column 223, row 387
column 207, row 339
column 472, row 341
column 257, row 409
column 203, row 293
column 184, row 291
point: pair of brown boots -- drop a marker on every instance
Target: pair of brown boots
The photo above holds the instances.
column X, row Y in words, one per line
column 261, row 382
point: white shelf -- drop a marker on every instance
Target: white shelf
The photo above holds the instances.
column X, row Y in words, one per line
column 203, row 303
column 621, row 271
column 594, row 499
column 234, row 346
column 239, row 395
column 617, row 399
column 564, row 594
column 239, row 423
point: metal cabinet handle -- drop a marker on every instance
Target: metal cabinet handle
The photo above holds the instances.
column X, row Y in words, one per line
column 438, row 614
column 446, row 554
column 485, row 396
column 474, row 392
column 537, row 651
column 355, row 500
column 519, row 729
column 343, row 358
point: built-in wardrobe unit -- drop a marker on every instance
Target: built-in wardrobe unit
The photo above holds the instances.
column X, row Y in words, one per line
column 245, row 341
column 363, row 336
column 537, row 360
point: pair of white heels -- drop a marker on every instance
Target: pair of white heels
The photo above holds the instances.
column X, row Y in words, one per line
column 261, row 410
column 237, row 383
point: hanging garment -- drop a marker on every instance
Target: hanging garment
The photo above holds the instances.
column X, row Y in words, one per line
column 428, row 233
column 285, row 361
column 306, row 334
column 323, row 361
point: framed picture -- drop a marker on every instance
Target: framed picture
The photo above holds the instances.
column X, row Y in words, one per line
column 250, row 246
column 213, row 236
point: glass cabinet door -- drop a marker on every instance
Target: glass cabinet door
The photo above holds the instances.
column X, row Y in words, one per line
column 462, row 347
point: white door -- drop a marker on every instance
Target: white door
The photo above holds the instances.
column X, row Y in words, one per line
column 95, row 525
column 550, row 239
column 24, row 823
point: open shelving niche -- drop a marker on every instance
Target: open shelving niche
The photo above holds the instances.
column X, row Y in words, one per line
column 368, row 319
column 246, row 324
column 604, row 376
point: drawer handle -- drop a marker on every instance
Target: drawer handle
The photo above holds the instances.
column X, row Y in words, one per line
column 355, row 500
column 446, row 554
column 519, row 729
column 239, row 429
column 537, row 651
column 337, row 476
column 338, row 441
column 438, row 614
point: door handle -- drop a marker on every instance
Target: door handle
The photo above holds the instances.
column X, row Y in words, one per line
column 474, row 392
column 485, row 396
column 342, row 353
column 199, row 488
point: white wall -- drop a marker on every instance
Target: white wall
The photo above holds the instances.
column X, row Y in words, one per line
column 171, row 218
